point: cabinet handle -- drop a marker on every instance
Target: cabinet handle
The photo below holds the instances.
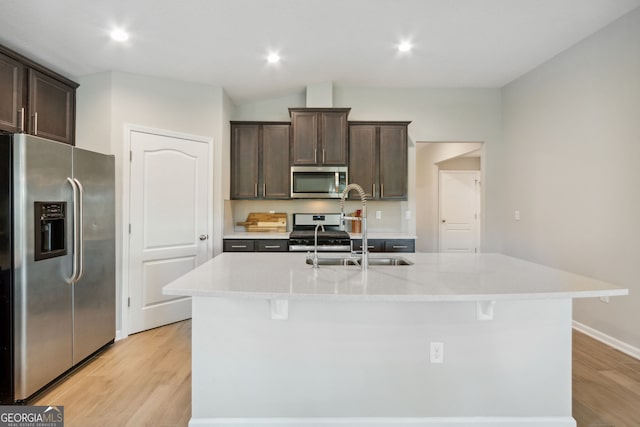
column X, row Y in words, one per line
column 315, row 156
column 400, row 246
column 272, row 246
column 239, row 246
column 21, row 112
column 323, row 156
column 264, row 190
column 35, row 123
column 373, row 191
column 368, row 247
column 381, row 190
column 255, row 190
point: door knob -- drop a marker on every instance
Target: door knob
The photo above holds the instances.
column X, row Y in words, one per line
column 203, row 237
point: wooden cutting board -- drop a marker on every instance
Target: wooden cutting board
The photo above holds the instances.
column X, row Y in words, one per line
column 265, row 222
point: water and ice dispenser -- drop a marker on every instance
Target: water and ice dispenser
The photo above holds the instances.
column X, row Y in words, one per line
column 50, row 229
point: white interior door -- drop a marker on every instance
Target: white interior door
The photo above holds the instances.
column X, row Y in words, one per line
column 459, row 201
column 169, row 217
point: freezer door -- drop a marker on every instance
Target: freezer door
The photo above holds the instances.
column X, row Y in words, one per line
column 94, row 294
column 43, row 297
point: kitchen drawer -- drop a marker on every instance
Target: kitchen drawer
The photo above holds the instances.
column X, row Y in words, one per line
column 273, row 245
column 400, row 245
column 375, row 245
column 238, row 245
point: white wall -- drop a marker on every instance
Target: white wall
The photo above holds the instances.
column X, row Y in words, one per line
column 436, row 115
column 269, row 109
column 109, row 101
column 571, row 146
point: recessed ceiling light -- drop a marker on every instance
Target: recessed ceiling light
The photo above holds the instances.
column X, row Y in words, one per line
column 273, row 58
column 119, row 35
column 404, row 47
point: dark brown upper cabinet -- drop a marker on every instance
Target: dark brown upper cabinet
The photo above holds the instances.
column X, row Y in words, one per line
column 51, row 108
column 378, row 159
column 319, row 136
column 34, row 99
column 275, row 161
column 11, row 103
column 260, row 160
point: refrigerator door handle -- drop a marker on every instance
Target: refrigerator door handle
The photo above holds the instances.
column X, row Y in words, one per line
column 76, row 263
column 80, row 223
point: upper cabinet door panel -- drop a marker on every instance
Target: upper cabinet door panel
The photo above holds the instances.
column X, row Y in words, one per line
column 393, row 162
column 244, row 161
column 275, row 161
column 334, row 138
column 52, row 108
column 319, row 136
column 304, row 147
column 11, row 111
column 363, row 164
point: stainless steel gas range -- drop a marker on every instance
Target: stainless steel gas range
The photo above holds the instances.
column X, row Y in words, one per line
column 330, row 237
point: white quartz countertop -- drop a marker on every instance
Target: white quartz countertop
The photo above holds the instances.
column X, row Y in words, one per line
column 275, row 235
column 432, row 277
column 387, row 235
column 267, row 235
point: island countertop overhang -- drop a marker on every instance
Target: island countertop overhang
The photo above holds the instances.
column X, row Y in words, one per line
column 434, row 277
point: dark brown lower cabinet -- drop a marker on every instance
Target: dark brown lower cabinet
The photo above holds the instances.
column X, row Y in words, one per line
column 238, row 245
column 274, row 245
column 374, row 245
column 255, row 245
column 400, row 245
column 386, row 245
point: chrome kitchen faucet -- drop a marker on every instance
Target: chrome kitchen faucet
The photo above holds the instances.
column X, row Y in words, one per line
column 363, row 219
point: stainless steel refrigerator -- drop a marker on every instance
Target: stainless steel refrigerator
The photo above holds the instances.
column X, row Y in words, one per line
column 57, row 261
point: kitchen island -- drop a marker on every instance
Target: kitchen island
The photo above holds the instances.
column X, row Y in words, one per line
column 454, row 339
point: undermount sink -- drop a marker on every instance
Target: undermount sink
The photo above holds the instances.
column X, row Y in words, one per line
column 389, row 261
column 350, row 260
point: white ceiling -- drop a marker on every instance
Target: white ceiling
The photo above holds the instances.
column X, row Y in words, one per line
column 458, row 43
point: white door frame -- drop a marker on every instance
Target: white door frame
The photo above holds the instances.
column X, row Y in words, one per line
column 126, row 203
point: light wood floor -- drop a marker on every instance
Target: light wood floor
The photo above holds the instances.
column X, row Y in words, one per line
column 606, row 385
column 145, row 380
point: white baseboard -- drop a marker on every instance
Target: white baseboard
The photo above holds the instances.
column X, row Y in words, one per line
column 607, row 339
column 119, row 335
column 387, row 422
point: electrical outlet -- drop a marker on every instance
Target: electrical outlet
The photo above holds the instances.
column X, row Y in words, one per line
column 436, row 352
column 378, row 214
column 605, row 299
column 407, row 215
column 516, row 215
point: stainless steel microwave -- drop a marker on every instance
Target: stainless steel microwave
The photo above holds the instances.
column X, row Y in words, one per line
column 318, row 182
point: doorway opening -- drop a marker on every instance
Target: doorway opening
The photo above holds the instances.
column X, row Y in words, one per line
column 454, row 165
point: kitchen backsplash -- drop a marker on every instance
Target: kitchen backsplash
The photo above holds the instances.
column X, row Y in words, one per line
column 392, row 213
